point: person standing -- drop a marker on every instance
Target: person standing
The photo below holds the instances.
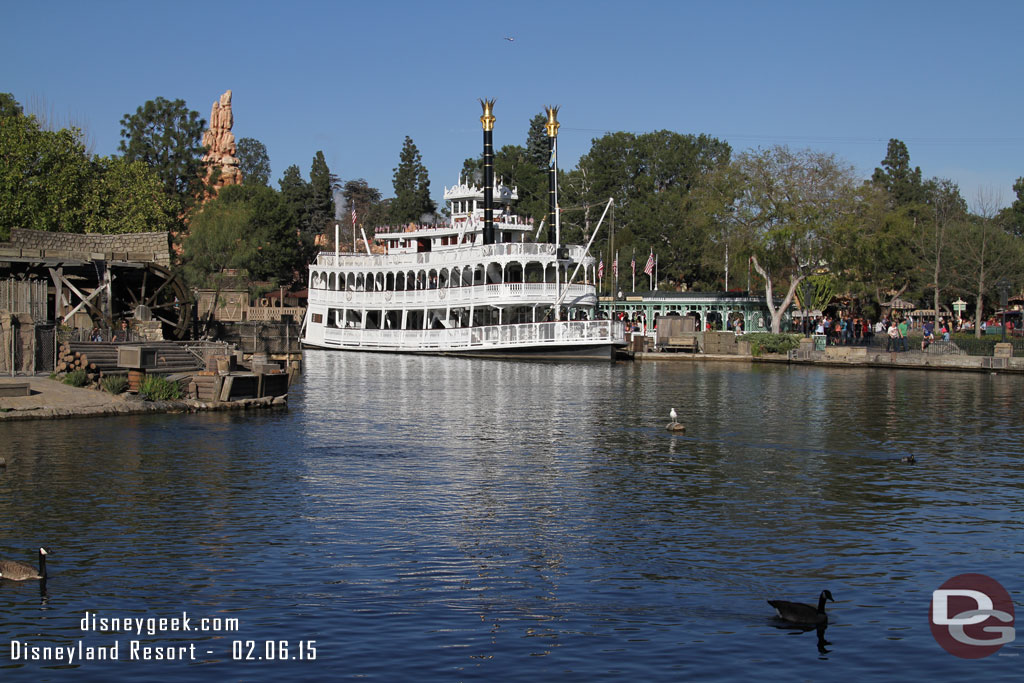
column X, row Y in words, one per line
column 904, row 328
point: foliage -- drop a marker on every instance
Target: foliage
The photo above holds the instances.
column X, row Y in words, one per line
column 43, row 178
column 158, row 388
column 126, row 196
column 253, row 161
column 896, row 177
column 412, row 187
column 9, row 106
column 322, row 184
column 248, row 227
column 789, row 209
column 766, row 342
column 656, row 180
column 76, row 378
column 166, row 135
column 114, row 384
column 1012, row 217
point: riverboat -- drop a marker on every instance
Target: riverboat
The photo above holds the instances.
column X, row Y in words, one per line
column 476, row 285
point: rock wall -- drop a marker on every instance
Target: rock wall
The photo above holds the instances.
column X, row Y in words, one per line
column 154, row 246
column 220, row 144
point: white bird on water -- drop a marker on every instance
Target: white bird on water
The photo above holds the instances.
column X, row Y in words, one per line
column 672, row 414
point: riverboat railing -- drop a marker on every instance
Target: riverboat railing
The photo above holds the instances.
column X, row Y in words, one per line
column 490, row 336
column 509, row 292
column 450, row 255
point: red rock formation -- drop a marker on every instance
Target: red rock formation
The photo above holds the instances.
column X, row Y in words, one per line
column 220, row 144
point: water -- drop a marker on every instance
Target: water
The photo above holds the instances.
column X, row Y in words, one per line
column 446, row 519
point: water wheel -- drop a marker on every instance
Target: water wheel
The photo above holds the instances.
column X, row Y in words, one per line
column 152, row 292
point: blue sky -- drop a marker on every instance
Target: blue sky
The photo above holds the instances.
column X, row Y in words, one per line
column 354, row 78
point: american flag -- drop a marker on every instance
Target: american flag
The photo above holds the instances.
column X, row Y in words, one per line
column 632, row 264
column 600, row 269
column 649, row 268
column 353, row 214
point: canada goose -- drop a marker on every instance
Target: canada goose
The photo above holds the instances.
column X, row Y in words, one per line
column 799, row 613
column 16, row 571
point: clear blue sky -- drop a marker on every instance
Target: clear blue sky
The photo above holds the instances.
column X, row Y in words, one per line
column 353, row 78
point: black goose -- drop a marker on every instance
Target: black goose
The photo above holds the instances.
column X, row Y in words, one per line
column 16, row 571
column 799, row 613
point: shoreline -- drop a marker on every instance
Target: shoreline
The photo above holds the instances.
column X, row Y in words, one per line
column 51, row 400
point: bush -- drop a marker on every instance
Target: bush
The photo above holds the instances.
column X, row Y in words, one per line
column 157, row 388
column 77, row 378
column 114, row 384
column 766, row 342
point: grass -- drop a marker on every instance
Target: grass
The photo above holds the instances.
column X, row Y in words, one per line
column 114, row 384
column 766, row 342
column 76, row 378
column 157, row 388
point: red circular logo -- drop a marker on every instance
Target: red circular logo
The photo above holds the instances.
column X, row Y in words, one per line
column 971, row 616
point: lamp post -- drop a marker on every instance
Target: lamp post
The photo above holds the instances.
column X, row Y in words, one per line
column 1004, row 293
column 958, row 307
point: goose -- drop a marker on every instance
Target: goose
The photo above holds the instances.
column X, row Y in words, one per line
column 16, row 571
column 799, row 613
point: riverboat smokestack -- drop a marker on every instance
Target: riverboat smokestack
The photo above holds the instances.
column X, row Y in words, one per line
column 552, row 128
column 488, row 123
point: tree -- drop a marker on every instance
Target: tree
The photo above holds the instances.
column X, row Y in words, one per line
column 412, row 187
column 790, row 205
column 44, row 176
column 1012, row 217
column 896, row 176
column 166, row 136
column 9, row 106
column 947, row 213
column 274, row 249
column 537, row 142
column 253, row 162
column 322, row 184
column 217, row 240
column 126, row 196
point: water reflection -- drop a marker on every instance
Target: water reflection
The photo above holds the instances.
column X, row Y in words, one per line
column 493, row 517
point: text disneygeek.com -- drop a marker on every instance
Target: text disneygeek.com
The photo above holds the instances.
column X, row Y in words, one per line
column 77, row 651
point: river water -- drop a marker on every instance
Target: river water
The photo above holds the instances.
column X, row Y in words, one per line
column 437, row 519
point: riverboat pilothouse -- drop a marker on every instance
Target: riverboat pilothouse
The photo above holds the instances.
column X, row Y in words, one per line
column 477, row 285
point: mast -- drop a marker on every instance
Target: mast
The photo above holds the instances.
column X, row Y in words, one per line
column 552, row 128
column 488, row 123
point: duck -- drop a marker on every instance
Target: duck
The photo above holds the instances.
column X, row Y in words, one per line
column 909, row 459
column 17, row 571
column 799, row 613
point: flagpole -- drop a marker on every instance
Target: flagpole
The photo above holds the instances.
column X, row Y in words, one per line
column 632, row 265
column 655, row 272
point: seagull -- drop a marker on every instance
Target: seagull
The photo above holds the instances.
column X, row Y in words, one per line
column 510, row 39
column 672, row 414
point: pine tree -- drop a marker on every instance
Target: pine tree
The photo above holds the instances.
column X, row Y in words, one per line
column 321, row 184
column 901, row 181
column 412, row 187
column 254, row 162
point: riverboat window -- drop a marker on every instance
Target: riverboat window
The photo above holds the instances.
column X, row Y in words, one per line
column 353, row 318
column 317, row 318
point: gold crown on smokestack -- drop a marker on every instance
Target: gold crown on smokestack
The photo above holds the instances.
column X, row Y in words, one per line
column 488, row 118
column 552, row 124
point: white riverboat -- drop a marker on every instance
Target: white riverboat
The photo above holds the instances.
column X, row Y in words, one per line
column 474, row 286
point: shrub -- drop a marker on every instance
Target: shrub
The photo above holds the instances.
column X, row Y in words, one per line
column 114, row 384
column 765, row 342
column 157, row 388
column 77, row 378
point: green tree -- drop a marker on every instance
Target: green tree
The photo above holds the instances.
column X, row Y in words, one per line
column 271, row 235
column 126, row 196
column 537, row 142
column 366, row 201
column 789, row 208
column 44, row 177
column 218, row 239
column 1012, row 217
column 166, row 135
column 412, row 187
column 254, row 162
column 322, row 184
column 9, row 106
column 897, row 177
